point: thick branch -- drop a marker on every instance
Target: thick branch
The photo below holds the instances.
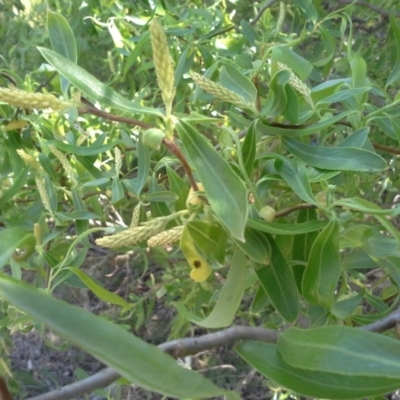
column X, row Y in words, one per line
column 289, row 210
column 177, row 348
column 385, row 323
column 187, row 346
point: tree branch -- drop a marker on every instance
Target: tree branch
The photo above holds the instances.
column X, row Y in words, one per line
column 189, row 346
column 91, row 109
column 388, row 149
column 385, row 323
column 361, row 3
column 262, row 10
column 177, row 348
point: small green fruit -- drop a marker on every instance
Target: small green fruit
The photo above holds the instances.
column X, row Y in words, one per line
column 267, row 213
column 153, row 138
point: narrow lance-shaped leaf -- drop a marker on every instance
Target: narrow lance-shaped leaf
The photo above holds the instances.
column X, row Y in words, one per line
column 249, row 148
column 296, row 177
column 266, row 359
column 143, row 155
column 302, row 245
column 62, row 40
column 91, row 86
column 341, row 350
column 109, row 342
column 395, row 74
column 278, row 281
column 61, row 36
column 323, row 267
column 230, row 296
column 225, row 191
column 234, row 80
column 285, row 229
column 336, row 158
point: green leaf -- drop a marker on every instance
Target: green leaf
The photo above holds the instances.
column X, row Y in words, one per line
column 336, row 158
column 316, row 128
column 278, row 281
column 117, row 191
column 12, row 239
column 99, row 291
column 323, row 267
column 358, row 138
column 91, row 86
column 341, row 350
column 179, row 187
column 276, row 100
column 51, row 193
column 395, row 73
column 76, row 215
column 163, row 196
column 344, row 308
column 296, row 177
column 61, row 36
column 343, row 95
column 225, row 191
column 110, row 343
column 209, row 237
column 266, row 359
column 302, row 245
column 230, row 296
column 18, row 182
column 256, row 246
column 143, row 154
column 90, row 150
column 299, row 65
column 285, row 229
column 366, row 207
column 234, row 80
column 249, row 148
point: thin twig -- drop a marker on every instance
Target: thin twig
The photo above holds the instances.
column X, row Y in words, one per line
column 388, row 149
column 177, row 348
column 90, row 108
column 361, row 3
column 176, row 151
column 262, row 10
column 289, row 210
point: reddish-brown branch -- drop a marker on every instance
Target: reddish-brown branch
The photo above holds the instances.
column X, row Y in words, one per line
column 90, row 108
column 176, row 151
column 289, row 210
column 388, row 149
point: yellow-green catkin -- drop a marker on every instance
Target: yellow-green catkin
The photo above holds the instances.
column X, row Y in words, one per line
column 296, row 83
column 163, row 64
column 44, row 196
column 29, row 160
column 37, row 233
column 218, row 90
column 32, row 100
column 167, row 237
column 132, row 236
column 63, row 160
column 136, row 216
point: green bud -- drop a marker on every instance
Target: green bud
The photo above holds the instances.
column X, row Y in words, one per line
column 267, row 213
column 153, row 138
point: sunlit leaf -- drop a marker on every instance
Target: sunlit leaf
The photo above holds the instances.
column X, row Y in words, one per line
column 266, row 359
column 109, row 343
column 224, row 190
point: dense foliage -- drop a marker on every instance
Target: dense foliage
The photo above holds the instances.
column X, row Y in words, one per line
column 243, row 156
